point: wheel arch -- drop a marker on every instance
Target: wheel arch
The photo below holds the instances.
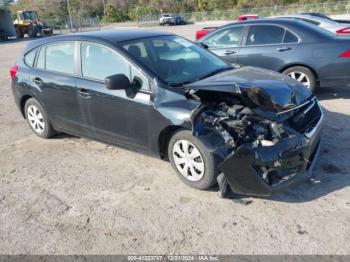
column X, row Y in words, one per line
column 164, row 138
column 285, row 67
column 22, row 103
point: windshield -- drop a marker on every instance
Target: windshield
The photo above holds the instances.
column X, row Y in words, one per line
column 30, row 15
column 175, row 60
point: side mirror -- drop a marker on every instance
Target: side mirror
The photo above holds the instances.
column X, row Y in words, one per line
column 117, row 82
column 201, row 44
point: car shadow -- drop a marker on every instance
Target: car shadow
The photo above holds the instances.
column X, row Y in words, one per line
column 333, row 93
column 64, row 136
column 332, row 169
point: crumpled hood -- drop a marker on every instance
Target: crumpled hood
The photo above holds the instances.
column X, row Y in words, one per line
column 264, row 88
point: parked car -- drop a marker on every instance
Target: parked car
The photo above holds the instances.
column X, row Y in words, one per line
column 313, row 56
column 247, row 17
column 206, row 30
column 166, row 19
column 150, row 92
column 327, row 17
column 330, row 25
column 179, row 20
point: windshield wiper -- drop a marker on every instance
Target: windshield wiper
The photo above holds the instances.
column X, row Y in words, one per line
column 181, row 83
column 213, row 73
column 202, row 77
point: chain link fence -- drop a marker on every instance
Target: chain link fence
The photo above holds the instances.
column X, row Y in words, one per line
column 78, row 24
column 328, row 8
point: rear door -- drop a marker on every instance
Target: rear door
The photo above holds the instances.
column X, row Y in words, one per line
column 226, row 42
column 54, row 76
column 267, row 46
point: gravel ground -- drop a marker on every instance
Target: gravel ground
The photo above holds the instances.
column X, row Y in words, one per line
column 71, row 195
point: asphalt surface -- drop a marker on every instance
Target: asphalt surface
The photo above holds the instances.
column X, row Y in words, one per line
column 70, row 195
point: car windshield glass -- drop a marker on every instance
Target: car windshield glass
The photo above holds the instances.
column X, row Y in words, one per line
column 30, row 15
column 175, row 60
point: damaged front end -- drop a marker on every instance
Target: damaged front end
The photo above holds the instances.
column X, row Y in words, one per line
column 261, row 147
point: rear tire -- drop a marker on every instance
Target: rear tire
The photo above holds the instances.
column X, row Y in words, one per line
column 19, row 33
column 196, row 158
column 37, row 119
column 303, row 75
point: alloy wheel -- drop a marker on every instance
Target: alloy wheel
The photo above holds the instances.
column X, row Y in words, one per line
column 36, row 119
column 300, row 77
column 188, row 160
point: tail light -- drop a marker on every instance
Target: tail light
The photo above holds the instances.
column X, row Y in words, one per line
column 199, row 35
column 13, row 71
column 343, row 31
column 345, row 54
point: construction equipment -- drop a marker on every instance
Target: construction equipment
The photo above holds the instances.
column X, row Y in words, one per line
column 27, row 22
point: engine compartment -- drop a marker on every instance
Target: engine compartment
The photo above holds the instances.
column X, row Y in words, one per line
column 237, row 123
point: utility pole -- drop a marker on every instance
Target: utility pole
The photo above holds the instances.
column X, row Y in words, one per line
column 104, row 11
column 70, row 16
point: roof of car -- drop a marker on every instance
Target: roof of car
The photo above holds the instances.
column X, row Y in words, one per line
column 264, row 21
column 111, row 37
column 309, row 17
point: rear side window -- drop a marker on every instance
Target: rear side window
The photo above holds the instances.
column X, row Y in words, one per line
column 265, row 35
column 41, row 58
column 60, row 57
column 98, row 62
column 29, row 58
column 290, row 38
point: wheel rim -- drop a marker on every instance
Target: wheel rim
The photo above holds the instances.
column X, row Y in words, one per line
column 36, row 119
column 300, row 77
column 188, row 160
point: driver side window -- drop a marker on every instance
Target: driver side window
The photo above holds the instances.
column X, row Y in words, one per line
column 98, row 62
column 230, row 37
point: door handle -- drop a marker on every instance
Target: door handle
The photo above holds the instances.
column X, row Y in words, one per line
column 230, row 52
column 37, row 80
column 84, row 93
column 281, row 49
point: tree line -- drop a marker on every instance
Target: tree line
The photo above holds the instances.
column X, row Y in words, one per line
column 122, row 10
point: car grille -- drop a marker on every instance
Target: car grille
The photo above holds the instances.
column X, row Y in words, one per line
column 305, row 117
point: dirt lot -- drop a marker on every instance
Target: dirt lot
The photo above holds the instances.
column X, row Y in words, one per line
column 71, row 195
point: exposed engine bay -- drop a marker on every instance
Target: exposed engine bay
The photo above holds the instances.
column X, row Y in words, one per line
column 238, row 123
column 256, row 144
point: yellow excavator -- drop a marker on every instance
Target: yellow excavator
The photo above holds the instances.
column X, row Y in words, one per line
column 27, row 22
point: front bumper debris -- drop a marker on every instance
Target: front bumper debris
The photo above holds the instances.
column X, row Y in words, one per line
column 261, row 171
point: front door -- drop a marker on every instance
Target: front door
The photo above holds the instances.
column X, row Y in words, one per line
column 226, row 43
column 114, row 116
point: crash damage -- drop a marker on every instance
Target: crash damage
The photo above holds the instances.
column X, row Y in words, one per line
column 263, row 140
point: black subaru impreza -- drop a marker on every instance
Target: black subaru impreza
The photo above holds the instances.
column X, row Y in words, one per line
column 252, row 130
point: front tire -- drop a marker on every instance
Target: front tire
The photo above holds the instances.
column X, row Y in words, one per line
column 192, row 161
column 303, row 75
column 37, row 119
column 32, row 31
